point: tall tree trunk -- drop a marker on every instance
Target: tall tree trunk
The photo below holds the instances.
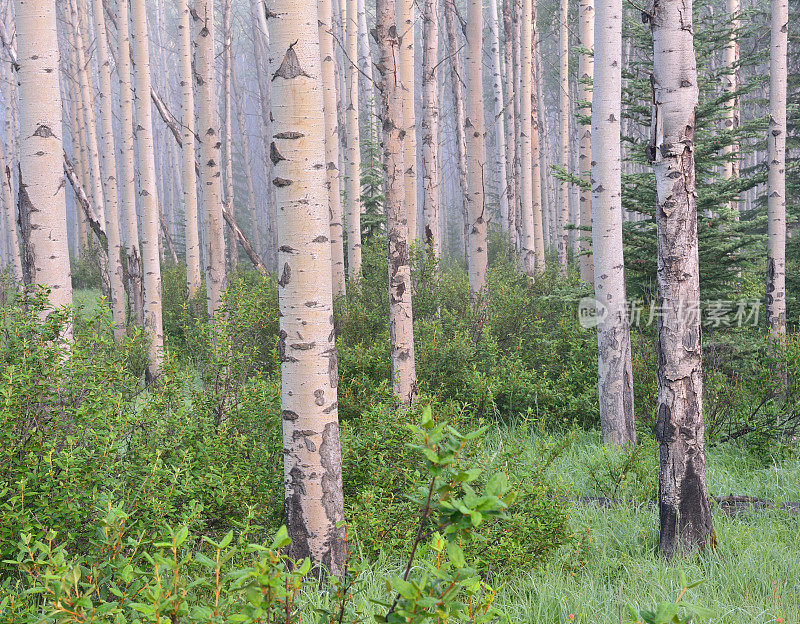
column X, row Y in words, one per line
column 536, row 156
column 731, row 83
column 10, row 221
column 511, row 121
column 685, row 515
column 430, row 128
column 528, row 255
column 406, row 35
column 458, row 103
column 615, row 378
column 499, row 114
column 208, row 126
column 227, row 68
column 116, row 277
column 476, row 150
column 365, row 62
column 353, row 147
column 401, row 319
column 585, row 72
column 127, row 186
column 314, row 503
column 42, row 201
column 332, row 145
column 193, row 272
column 776, row 163
column 515, row 211
column 563, row 82
column 148, row 192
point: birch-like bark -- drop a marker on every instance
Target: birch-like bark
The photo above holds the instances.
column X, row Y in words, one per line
column 401, row 319
column 210, row 174
column 332, row 145
column 148, row 193
column 406, row 36
column 511, row 121
column 685, row 514
column 116, row 276
column 127, row 186
column 615, row 378
column 515, row 211
column 527, row 250
column 227, row 63
column 476, row 151
column 314, row 503
column 193, row 272
column 365, row 61
column 353, row 147
column 460, row 114
column 7, row 195
column 585, row 72
column 730, row 84
column 536, row 156
column 430, row 128
column 499, row 114
column 776, row 163
column 563, row 83
column 42, row 201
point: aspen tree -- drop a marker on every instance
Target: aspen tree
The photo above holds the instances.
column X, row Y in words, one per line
column 401, row 319
column 41, row 196
column 314, row 503
column 430, row 129
column 563, row 83
column 227, row 62
column 776, row 164
column 499, row 114
column 515, row 216
column 476, row 150
column 151, row 263
column 731, row 83
column 127, row 186
column 365, row 60
column 685, row 514
column 193, row 271
column 536, row 167
column 332, row 145
column 406, row 35
column 116, row 277
column 353, row 147
column 511, row 121
column 585, row 71
column 7, row 197
column 528, row 252
column 615, row 378
column 208, row 127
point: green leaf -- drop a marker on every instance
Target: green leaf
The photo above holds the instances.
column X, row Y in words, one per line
column 456, row 555
column 226, row 540
column 181, row 535
column 281, row 539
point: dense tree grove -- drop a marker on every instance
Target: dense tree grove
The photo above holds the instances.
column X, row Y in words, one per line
column 402, row 311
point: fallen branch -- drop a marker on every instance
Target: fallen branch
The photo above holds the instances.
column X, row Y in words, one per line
column 98, row 227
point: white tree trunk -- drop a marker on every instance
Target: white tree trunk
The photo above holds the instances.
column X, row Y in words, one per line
column 476, row 150
column 731, row 83
column 353, row 147
column 401, row 319
column 499, row 113
column 776, row 163
column 210, row 174
column 42, row 202
column 365, row 61
column 536, row 156
column 685, row 515
column 528, row 251
column 227, row 68
column 511, row 122
column 193, row 272
column 7, row 196
column 430, row 128
column 314, row 503
column 585, row 72
column 406, row 35
column 332, row 144
column 563, row 81
column 148, row 192
column 615, row 377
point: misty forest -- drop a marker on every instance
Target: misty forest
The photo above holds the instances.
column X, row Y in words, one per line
column 407, row 311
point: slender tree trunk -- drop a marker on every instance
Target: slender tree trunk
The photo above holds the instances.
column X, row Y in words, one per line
column 528, row 255
column 563, row 233
column 332, row 145
column 401, row 319
column 365, row 61
column 511, row 122
column 193, row 272
column 615, row 378
column 148, row 192
column 10, row 220
column 406, row 35
column 515, row 211
column 42, row 201
column 227, row 67
column 731, row 83
column 314, row 503
column 499, row 112
column 776, row 164
column 685, row 515
column 536, row 156
column 585, row 72
column 353, row 147
column 458, row 103
column 476, row 150
column 116, row 277
column 208, row 122
column 430, row 128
